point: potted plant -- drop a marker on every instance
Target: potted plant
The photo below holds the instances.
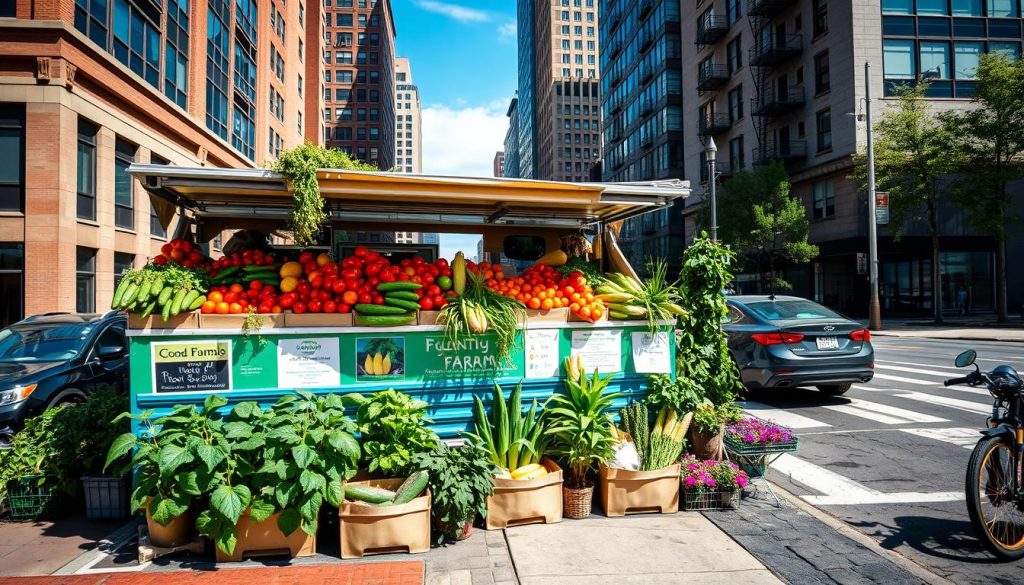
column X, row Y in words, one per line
column 711, row 484
column 528, row 485
column 582, row 434
column 709, row 423
column 460, row 482
column 393, row 428
column 106, row 495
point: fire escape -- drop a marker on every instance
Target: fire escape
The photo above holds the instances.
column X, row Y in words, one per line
column 773, row 48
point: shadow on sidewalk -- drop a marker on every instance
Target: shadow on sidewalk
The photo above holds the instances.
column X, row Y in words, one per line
column 940, row 538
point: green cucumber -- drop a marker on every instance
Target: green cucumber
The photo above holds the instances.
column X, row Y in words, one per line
column 179, row 297
column 144, row 288
column 119, row 293
column 411, row 488
column 398, row 285
column 197, row 303
column 384, row 320
column 148, row 310
column 156, row 288
column 260, row 267
column 370, row 495
column 190, row 297
column 260, row 276
column 129, row 295
column 405, row 295
column 165, row 295
column 227, row 272
column 165, row 312
column 402, row 303
column 368, row 309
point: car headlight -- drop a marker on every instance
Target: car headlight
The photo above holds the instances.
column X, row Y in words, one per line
column 16, row 394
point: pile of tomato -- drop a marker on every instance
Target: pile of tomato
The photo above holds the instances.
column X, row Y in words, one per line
column 542, row 287
column 236, row 299
column 181, row 252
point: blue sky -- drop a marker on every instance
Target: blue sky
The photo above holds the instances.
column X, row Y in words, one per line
column 463, row 58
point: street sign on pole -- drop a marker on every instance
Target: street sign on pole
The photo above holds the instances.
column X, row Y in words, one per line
column 862, row 263
column 881, row 207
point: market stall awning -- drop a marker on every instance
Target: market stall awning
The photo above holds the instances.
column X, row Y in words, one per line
column 377, row 197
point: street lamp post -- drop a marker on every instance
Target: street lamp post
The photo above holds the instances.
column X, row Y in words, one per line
column 874, row 307
column 712, row 153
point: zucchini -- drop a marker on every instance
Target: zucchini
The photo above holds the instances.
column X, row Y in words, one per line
column 190, row 298
column 405, row 295
column 397, row 286
column 119, row 293
column 402, row 303
column 260, row 267
column 129, row 294
column 368, row 309
column 411, row 488
column 148, row 310
column 179, row 297
column 165, row 312
column 156, row 288
column 384, row 320
column 227, row 272
column 370, row 495
column 144, row 288
column 197, row 303
column 165, row 295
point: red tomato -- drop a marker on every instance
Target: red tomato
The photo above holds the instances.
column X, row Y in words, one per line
column 433, row 290
column 426, row 304
column 306, row 257
column 441, row 262
column 338, row 286
column 288, row 299
column 315, row 306
column 366, row 298
column 344, row 308
column 160, row 260
column 223, row 308
column 231, row 297
column 378, row 299
column 316, row 280
column 195, row 256
column 330, row 306
column 361, row 251
column 403, row 277
column 177, row 254
column 277, row 309
column 438, row 300
column 303, row 286
column 350, row 297
column 299, row 307
column 373, row 281
column 373, row 269
column 387, row 277
column 255, row 285
column 323, row 295
column 166, row 249
column 269, row 289
column 209, row 307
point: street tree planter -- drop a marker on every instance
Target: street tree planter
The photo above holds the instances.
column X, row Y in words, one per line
column 624, row 491
column 367, row 528
column 177, row 533
column 516, row 502
column 707, row 446
column 265, row 538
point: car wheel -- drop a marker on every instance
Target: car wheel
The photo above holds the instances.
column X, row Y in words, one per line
column 834, row 389
column 67, row 398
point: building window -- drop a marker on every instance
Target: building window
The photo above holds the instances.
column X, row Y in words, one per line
column 217, row 71
column 935, row 57
column 136, row 41
column 898, row 59
column 820, row 13
column 736, row 104
column 12, row 152
column 821, row 78
column 733, row 10
column 897, row 6
column 967, row 8
column 736, row 162
column 86, row 170
column 155, row 229
column 734, row 55
column 85, row 280
column 824, row 126
column 12, row 267
column 1002, row 8
column 176, row 52
column 824, row 200
column 124, row 185
column 967, row 55
column 122, row 263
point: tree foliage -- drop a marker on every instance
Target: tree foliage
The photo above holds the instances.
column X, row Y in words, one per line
column 762, row 219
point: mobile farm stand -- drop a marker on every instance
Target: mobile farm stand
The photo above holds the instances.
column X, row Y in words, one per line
column 199, row 357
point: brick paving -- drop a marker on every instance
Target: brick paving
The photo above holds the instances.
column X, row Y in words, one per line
column 371, row 573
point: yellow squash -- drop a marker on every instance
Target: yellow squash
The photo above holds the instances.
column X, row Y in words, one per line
column 368, row 365
column 385, row 367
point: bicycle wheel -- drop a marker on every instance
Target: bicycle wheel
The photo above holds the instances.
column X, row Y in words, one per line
column 995, row 512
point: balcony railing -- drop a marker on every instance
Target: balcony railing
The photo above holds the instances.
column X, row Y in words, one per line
column 776, row 51
column 788, row 152
column 713, row 124
column 767, row 7
column 710, row 29
column 776, row 103
column 711, row 76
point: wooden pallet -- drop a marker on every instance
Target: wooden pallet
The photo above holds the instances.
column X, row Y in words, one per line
column 148, row 551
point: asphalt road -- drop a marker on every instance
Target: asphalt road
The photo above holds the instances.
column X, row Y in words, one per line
column 890, row 457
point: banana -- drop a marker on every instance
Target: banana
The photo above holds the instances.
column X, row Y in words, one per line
column 368, row 365
column 386, row 365
column 378, row 364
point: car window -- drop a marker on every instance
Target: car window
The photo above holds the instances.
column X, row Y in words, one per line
column 792, row 310
column 734, row 316
column 30, row 342
column 113, row 336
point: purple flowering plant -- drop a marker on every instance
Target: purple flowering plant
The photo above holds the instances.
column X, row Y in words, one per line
column 754, row 431
column 698, row 475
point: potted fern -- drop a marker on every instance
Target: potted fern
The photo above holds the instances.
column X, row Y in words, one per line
column 460, row 482
column 582, row 433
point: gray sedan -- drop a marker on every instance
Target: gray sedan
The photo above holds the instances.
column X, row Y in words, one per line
column 781, row 341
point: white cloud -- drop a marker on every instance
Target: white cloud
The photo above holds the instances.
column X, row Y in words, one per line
column 459, row 13
column 462, row 141
column 507, row 31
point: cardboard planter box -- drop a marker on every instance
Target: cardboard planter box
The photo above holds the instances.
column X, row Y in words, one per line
column 211, row 321
column 429, row 317
column 318, row 319
column 189, row 320
column 560, row 315
column 367, row 529
column 516, row 502
column 624, row 491
column 265, row 538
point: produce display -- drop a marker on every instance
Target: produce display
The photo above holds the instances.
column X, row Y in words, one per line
column 654, row 299
column 514, row 441
column 658, row 446
column 163, row 289
column 542, row 287
column 410, row 489
column 181, row 252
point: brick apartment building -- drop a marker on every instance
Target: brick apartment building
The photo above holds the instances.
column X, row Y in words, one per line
column 89, row 86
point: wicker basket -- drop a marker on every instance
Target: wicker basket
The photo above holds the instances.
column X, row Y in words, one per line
column 708, row 446
column 577, row 502
column 714, row 499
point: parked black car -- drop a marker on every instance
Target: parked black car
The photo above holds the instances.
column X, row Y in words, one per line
column 782, row 341
column 58, row 358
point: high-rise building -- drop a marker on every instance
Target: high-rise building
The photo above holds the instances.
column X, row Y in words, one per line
column 499, row 164
column 783, row 80
column 408, row 120
column 90, row 87
column 642, row 107
column 526, row 112
column 511, row 167
column 562, row 89
column 359, row 79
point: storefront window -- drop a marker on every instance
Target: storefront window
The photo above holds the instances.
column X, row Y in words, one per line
column 12, row 292
column 85, row 280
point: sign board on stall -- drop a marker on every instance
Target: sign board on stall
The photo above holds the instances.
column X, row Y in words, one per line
column 191, row 366
column 308, row 362
column 651, row 352
column 542, row 353
column 882, row 207
column 599, row 348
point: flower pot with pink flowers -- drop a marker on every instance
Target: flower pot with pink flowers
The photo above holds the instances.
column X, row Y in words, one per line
column 710, row 484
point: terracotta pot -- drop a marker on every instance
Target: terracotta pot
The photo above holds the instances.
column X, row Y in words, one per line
column 577, row 502
column 265, row 538
column 624, row 491
column 365, row 528
column 464, row 531
column 515, row 502
column 177, row 533
column 708, row 446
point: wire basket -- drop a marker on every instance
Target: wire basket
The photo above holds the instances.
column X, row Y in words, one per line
column 31, row 497
column 711, row 499
column 757, row 449
column 106, row 497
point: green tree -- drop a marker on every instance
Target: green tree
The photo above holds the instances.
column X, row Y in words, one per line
column 989, row 150
column 760, row 218
column 911, row 161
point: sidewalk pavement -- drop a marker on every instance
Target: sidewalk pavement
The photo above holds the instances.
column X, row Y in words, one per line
column 963, row 328
column 757, row 544
column 40, row 548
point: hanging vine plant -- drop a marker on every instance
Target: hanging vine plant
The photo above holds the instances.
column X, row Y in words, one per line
column 299, row 166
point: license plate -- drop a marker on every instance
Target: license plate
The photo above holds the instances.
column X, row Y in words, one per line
column 828, row 342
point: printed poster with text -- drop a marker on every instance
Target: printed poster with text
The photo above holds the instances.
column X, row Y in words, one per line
column 599, row 348
column 191, row 366
column 651, row 353
column 308, row 362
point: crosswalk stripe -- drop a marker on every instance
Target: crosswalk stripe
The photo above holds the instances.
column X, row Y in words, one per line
column 877, row 361
column 959, row 436
column 947, row 401
column 889, row 415
column 904, row 380
column 951, row 374
column 780, row 416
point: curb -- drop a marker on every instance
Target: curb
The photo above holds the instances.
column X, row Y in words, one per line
column 903, row 335
column 919, row 571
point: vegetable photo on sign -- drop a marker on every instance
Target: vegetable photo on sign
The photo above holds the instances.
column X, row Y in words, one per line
column 380, row 358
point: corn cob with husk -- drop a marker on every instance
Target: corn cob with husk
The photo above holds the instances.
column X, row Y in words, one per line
column 666, row 440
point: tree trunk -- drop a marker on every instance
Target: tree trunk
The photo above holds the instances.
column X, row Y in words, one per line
column 936, row 279
column 1002, row 314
